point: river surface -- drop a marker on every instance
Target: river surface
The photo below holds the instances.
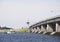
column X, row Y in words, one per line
column 27, row 37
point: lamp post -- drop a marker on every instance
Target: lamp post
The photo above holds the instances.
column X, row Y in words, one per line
column 28, row 23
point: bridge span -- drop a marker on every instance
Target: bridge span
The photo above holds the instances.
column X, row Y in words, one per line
column 50, row 26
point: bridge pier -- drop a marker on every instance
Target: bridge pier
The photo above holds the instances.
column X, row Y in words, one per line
column 43, row 28
column 35, row 29
column 39, row 29
column 58, row 27
column 57, row 31
column 32, row 30
column 49, row 28
column 53, row 27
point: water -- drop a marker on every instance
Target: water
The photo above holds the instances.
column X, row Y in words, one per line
column 27, row 37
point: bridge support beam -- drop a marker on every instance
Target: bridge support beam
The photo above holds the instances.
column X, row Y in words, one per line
column 54, row 28
column 32, row 30
column 38, row 29
column 35, row 30
column 42, row 29
column 58, row 27
column 49, row 28
column 45, row 28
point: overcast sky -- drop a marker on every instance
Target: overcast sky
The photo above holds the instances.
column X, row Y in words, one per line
column 15, row 13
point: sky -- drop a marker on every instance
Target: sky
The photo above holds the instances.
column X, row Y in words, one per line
column 15, row 13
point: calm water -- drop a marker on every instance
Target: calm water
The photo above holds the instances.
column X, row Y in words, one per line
column 27, row 37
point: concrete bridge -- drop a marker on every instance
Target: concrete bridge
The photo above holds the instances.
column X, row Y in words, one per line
column 50, row 26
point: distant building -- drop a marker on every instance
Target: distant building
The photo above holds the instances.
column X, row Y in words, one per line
column 5, row 29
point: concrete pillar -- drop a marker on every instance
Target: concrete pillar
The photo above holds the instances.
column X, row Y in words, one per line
column 38, row 29
column 49, row 28
column 52, row 28
column 32, row 30
column 35, row 30
column 58, row 27
column 42, row 28
column 45, row 27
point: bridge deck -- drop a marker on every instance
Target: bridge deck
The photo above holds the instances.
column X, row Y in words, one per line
column 50, row 20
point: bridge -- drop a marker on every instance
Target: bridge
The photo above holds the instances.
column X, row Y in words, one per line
column 49, row 26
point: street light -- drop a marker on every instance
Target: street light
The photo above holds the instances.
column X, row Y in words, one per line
column 28, row 23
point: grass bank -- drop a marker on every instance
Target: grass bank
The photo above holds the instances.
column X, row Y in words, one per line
column 23, row 29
